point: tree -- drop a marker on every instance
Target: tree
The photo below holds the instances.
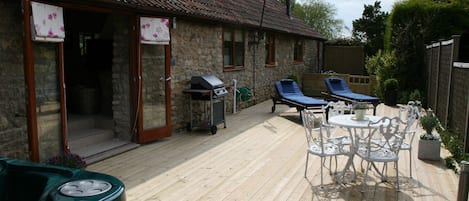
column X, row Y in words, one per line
column 370, row 28
column 320, row 16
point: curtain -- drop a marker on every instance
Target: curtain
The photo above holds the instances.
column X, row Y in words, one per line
column 154, row 31
column 47, row 23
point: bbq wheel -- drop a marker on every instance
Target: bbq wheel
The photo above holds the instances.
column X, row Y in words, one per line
column 213, row 129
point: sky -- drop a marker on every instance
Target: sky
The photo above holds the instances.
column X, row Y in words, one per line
column 349, row 10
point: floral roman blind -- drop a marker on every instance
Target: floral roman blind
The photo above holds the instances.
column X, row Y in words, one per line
column 48, row 23
column 154, row 31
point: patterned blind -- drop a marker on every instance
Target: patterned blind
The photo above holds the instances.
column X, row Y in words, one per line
column 154, row 31
column 47, row 23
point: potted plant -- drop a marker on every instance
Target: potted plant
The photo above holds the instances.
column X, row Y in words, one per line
column 360, row 110
column 390, row 91
column 429, row 143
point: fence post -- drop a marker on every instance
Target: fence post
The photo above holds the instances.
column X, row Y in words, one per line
column 463, row 181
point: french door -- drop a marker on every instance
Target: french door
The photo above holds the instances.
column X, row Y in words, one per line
column 154, row 93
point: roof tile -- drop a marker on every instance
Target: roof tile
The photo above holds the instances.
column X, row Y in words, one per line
column 243, row 12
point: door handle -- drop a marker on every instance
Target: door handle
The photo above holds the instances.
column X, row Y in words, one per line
column 167, row 79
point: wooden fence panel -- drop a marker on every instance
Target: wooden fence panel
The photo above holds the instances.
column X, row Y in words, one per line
column 313, row 83
column 448, row 88
column 459, row 102
column 444, row 74
column 433, row 78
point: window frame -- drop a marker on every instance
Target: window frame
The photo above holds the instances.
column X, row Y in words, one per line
column 233, row 56
column 298, row 51
column 270, row 48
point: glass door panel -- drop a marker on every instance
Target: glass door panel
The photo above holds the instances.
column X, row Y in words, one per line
column 153, row 86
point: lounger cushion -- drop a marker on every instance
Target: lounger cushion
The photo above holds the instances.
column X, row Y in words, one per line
column 338, row 87
column 289, row 90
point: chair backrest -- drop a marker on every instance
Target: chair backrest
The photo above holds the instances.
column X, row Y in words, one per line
column 387, row 130
column 409, row 114
column 335, row 108
column 337, row 85
column 288, row 87
column 338, row 108
column 313, row 125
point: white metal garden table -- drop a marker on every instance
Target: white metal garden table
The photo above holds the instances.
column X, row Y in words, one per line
column 356, row 129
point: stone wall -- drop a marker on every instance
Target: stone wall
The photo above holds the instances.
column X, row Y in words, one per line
column 197, row 50
column 13, row 124
column 120, row 76
column 193, row 53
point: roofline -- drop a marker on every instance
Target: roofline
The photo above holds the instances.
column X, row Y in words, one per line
column 147, row 10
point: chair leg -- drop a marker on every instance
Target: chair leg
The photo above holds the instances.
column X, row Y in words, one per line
column 397, row 177
column 336, row 164
column 366, row 175
column 410, row 162
column 354, row 172
column 306, row 165
column 384, row 172
column 321, row 171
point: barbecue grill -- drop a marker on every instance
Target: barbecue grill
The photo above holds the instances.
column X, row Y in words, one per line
column 212, row 91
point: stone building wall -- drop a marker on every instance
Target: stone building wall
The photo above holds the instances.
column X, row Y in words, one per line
column 121, row 76
column 197, row 50
column 13, row 124
column 193, row 53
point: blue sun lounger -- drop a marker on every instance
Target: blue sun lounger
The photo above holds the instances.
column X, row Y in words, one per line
column 289, row 93
column 339, row 90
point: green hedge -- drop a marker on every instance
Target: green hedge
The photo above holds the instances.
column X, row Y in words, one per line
column 412, row 25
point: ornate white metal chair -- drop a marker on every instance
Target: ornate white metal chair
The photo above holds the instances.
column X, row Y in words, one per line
column 338, row 108
column 333, row 109
column 318, row 142
column 381, row 151
column 409, row 114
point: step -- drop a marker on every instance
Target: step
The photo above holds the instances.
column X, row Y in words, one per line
column 104, row 150
column 89, row 136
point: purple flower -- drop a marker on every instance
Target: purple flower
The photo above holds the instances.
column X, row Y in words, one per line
column 67, row 160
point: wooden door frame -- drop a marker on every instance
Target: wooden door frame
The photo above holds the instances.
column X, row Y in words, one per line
column 28, row 60
column 136, row 85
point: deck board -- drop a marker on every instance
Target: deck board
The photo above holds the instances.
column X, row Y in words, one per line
column 261, row 156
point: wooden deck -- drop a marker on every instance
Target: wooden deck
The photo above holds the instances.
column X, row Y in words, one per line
column 261, row 156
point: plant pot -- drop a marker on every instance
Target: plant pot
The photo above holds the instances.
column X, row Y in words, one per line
column 360, row 114
column 429, row 149
column 390, row 97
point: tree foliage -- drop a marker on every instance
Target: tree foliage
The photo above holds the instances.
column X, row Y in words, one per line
column 370, row 28
column 383, row 65
column 320, row 15
column 412, row 25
